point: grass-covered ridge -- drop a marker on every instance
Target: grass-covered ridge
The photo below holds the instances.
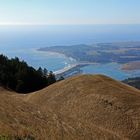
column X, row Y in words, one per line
column 20, row 77
column 83, row 107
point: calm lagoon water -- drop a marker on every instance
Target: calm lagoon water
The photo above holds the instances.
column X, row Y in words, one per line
column 23, row 41
column 111, row 69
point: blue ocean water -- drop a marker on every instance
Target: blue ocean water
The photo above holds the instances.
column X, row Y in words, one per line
column 23, row 41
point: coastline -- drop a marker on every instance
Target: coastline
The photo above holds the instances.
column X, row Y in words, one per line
column 74, row 63
column 50, row 52
column 72, row 67
column 75, row 67
column 57, row 53
column 65, row 69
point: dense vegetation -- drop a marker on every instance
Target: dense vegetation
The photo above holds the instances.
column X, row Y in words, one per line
column 135, row 82
column 20, row 77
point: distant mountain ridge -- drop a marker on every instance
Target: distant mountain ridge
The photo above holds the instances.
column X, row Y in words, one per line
column 135, row 82
column 81, row 107
column 119, row 52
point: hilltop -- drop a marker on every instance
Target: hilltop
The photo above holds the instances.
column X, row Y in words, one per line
column 81, row 107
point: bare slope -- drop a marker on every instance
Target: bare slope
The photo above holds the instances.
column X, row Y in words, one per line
column 96, row 107
column 83, row 107
column 19, row 118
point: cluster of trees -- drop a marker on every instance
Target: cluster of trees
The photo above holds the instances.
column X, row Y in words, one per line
column 20, row 77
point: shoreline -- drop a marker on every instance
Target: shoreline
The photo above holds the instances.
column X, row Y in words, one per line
column 70, row 66
column 59, row 54
column 65, row 69
column 51, row 53
column 74, row 67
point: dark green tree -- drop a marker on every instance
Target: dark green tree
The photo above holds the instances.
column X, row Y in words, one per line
column 18, row 76
column 51, row 78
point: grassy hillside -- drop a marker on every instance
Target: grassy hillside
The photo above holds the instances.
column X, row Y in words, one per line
column 81, row 107
column 20, row 119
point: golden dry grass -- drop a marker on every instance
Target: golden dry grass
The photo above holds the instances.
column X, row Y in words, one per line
column 82, row 107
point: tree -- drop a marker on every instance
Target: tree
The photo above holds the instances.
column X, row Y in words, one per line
column 51, row 78
column 40, row 71
column 18, row 76
column 20, row 86
column 45, row 72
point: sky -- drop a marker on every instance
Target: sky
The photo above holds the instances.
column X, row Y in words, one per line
column 56, row 12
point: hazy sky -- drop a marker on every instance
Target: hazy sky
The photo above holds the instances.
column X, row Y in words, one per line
column 69, row 11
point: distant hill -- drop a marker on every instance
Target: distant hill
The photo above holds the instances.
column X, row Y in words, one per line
column 119, row 52
column 79, row 108
column 135, row 82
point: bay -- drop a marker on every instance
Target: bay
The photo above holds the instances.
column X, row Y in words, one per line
column 23, row 42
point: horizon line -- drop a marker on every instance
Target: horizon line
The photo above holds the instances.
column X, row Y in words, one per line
column 45, row 24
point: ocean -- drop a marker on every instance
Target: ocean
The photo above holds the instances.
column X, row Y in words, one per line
column 23, row 42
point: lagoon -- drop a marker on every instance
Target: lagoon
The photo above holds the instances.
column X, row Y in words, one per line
column 110, row 69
